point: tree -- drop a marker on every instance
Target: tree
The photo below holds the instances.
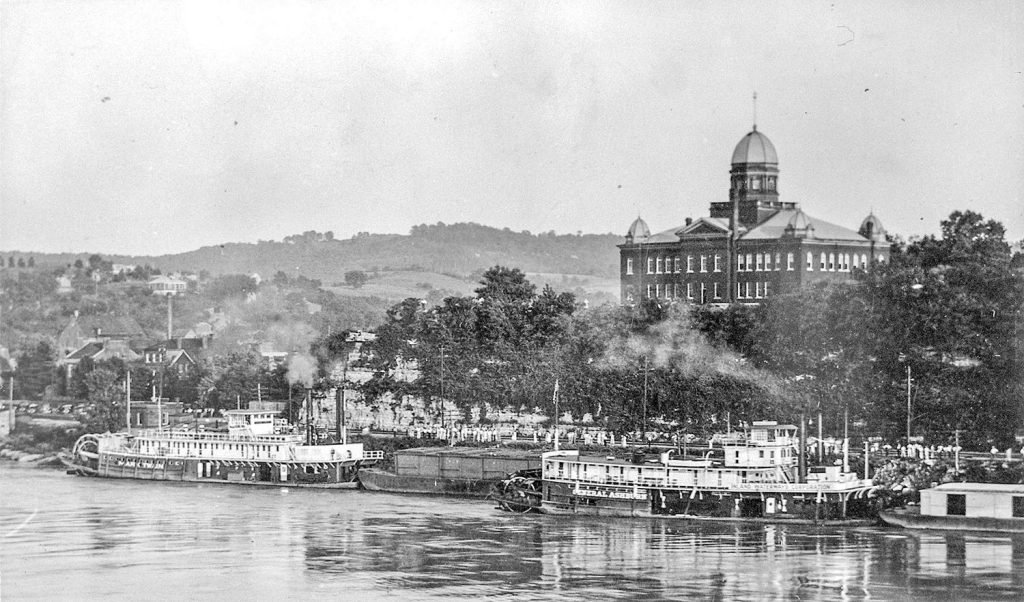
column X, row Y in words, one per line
column 36, row 371
column 230, row 286
column 356, row 278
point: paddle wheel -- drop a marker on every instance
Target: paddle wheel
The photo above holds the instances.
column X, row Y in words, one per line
column 520, row 492
column 84, row 456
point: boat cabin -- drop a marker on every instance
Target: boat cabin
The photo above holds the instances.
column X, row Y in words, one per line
column 974, row 500
column 250, row 422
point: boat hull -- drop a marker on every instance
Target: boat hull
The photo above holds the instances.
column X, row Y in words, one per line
column 761, row 506
column 373, row 479
column 911, row 518
column 333, row 475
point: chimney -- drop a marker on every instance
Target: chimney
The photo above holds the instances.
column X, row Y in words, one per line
column 689, row 221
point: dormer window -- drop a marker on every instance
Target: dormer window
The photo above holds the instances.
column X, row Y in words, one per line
column 755, row 183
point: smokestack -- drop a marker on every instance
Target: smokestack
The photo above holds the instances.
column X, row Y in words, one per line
column 170, row 317
column 802, row 465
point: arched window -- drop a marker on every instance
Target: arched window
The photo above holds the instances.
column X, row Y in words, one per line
column 759, row 258
column 831, row 262
column 864, row 261
column 778, row 261
column 824, row 263
column 810, row 261
column 629, row 266
column 789, row 262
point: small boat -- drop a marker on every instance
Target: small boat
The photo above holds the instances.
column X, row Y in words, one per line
column 456, row 471
column 964, row 507
column 750, row 476
column 252, row 452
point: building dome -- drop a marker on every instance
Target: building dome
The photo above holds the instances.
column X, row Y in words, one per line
column 755, row 147
column 638, row 230
column 799, row 226
column 871, row 228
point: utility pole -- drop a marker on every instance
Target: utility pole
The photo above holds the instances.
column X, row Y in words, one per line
column 442, row 386
column 128, row 400
column 643, row 426
column 908, row 405
column 555, row 398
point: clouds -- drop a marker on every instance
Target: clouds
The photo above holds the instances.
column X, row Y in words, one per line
column 235, row 122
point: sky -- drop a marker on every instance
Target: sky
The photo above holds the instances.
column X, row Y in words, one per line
column 151, row 127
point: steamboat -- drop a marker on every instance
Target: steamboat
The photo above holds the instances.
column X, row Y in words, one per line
column 753, row 476
column 254, row 451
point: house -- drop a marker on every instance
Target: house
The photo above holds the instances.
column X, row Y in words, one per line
column 87, row 329
column 98, row 338
column 167, row 285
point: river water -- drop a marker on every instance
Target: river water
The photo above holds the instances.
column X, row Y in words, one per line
column 76, row 538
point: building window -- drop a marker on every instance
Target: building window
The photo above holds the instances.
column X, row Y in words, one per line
column 648, row 291
column 755, row 183
column 689, row 264
column 750, row 262
column 657, row 270
column 676, row 261
column 629, row 266
column 739, row 290
column 1018, row 506
column 778, row 261
column 854, row 266
column 864, row 261
column 703, row 263
column 789, row 262
column 718, row 266
column 746, row 292
column 810, row 261
column 766, row 289
column 759, row 265
column 689, row 290
column 675, row 290
column 831, row 262
column 650, row 265
column 757, row 290
column 767, row 262
column 824, row 263
column 717, row 294
column 740, row 265
column 956, row 504
column 657, row 290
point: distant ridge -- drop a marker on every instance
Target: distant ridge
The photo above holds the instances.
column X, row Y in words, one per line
column 460, row 250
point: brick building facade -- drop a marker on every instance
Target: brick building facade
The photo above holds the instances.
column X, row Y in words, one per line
column 748, row 248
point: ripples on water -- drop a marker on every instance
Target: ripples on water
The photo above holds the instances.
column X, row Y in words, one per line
column 64, row 537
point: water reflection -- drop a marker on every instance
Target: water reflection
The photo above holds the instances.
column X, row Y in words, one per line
column 125, row 539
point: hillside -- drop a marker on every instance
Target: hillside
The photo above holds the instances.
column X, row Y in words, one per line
column 459, row 250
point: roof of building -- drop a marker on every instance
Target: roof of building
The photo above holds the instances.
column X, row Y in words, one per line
column 871, row 228
column 665, row 235
column 87, row 350
column 755, row 147
column 775, row 227
column 108, row 325
column 982, row 487
column 638, row 229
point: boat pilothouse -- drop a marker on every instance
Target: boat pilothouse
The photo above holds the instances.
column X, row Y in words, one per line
column 750, row 475
column 255, row 450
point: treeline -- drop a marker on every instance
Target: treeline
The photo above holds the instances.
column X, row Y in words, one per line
column 948, row 308
column 460, row 249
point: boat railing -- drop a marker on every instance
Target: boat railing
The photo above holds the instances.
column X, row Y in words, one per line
column 812, row 486
column 373, row 455
column 155, row 434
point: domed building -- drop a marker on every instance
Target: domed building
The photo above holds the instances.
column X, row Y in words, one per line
column 748, row 248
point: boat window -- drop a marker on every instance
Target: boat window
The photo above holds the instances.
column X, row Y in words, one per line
column 1018, row 506
column 956, row 504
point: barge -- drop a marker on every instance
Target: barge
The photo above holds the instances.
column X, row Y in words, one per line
column 456, row 471
column 752, row 477
column 252, row 452
column 964, row 507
